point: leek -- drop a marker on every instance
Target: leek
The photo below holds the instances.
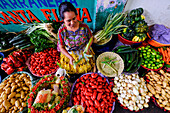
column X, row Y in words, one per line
column 112, row 26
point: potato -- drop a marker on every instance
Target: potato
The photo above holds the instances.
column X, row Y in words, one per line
column 17, row 103
column 13, row 101
column 12, row 95
column 2, row 109
column 22, row 94
column 18, row 90
column 1, row 90
column 25, row 88
column 6, row 104
column 24, row 104
column 5, row 96
column 18, row 95
column 8, row 90
column 21, row 109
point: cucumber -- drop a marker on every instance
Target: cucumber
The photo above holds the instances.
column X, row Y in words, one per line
column 137, row 58
column 19, row 42
column 124, row 48
column 139, row 62
column 131, row 65
column 130, row 57
column 127, row 58
column 128, row 51
column 23, row 47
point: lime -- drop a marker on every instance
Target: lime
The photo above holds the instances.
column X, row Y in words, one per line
column 149, row 50
column 139, row 48
column 157, row 60
column 151, row 68
column 146, row 61
column 155, row 67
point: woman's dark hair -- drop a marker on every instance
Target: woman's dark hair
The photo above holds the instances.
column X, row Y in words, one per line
column 66, row 7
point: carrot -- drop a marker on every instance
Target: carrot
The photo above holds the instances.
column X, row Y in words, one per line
column 163, row 54
column 168, row 49
column 159, row 49
column 166, row 55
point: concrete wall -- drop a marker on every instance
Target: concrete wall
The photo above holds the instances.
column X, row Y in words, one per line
column 155, row 11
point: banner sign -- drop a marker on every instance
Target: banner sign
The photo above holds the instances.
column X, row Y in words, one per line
column 15, row 12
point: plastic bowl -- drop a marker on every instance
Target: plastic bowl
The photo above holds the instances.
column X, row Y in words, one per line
column 1, row 54
column 148, row 69
column 125, row 41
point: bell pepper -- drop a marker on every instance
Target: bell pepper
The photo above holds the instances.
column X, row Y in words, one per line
column 9, row 70
column 128, row 33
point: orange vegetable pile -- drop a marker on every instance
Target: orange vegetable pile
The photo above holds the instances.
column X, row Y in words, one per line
column 166, row 54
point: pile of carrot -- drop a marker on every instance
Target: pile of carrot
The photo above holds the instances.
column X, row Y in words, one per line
column 166, row 54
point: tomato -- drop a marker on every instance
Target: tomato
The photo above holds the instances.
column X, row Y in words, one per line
column 91, row 102
column 93, row 75
column 78, row 91
column 94, row 95
column 92, row 108
column 88, row 97
column 83, row 98
column 97, row 104
column 78, row 97
column 87, row 103
column 99, row 96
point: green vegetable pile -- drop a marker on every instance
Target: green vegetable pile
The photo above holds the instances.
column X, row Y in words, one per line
column 131, row 58
column 4, row 40
column 151, row 58
column 137, row 27
column 40, row 40
column 40, row 37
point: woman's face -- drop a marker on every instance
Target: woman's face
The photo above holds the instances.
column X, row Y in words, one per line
column 70, row 19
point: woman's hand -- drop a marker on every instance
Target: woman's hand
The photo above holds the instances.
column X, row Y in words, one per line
column 50, row 29
column 71, row 60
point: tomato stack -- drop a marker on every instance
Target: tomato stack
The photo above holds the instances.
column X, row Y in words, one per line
column 94, row 93
column 44, row 63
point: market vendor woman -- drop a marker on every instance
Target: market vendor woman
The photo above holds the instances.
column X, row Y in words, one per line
column 73, row 36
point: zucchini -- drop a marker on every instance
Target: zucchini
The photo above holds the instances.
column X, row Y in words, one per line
column 19, row 42
column 23, row 47
column 128, row 51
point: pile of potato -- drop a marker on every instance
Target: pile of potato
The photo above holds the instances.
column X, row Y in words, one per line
column 14, row 92
column 132, row 91
column 159, row 86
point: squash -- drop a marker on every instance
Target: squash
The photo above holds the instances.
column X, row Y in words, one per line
column 128, row 33
column 136, row 12
column 128, row 21
column 141, row 26
column 142, row 36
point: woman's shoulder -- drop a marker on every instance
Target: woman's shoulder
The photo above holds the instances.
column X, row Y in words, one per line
column 82, row 24
column 62, row 28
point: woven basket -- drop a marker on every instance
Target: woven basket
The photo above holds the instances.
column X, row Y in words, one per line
column 106, row 70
